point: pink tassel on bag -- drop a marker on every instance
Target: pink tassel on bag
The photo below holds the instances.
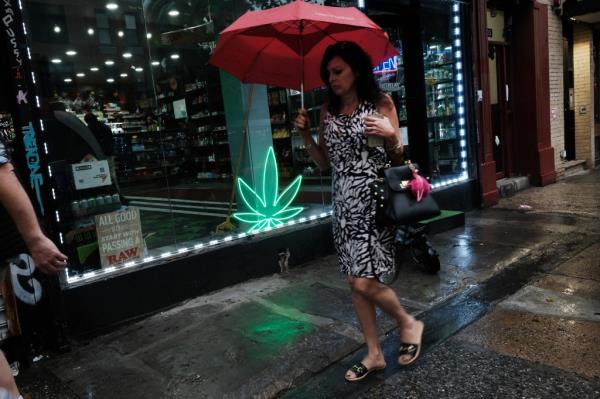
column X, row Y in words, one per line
column 419, row 186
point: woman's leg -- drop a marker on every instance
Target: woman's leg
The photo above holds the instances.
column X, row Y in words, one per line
column 365, row 311
column 384, row 297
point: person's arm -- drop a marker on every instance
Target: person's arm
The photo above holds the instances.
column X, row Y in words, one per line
column 14, row 198
column 387, row 128
column 318, row 152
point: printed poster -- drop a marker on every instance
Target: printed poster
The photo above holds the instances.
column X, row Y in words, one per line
column 119, row 236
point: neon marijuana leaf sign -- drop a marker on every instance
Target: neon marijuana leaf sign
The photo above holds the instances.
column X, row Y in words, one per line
column 268, row 207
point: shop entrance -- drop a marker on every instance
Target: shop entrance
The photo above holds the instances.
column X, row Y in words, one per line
column 501, row 106
column 569, row 99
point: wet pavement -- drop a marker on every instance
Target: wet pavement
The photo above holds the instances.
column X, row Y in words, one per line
column 513, row 313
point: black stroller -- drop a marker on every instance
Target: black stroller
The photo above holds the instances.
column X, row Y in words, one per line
column 412, row 241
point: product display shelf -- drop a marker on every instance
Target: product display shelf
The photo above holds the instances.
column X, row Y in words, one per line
column 281, row 129
column 208, row 151
column 441, row 112
column 77, row 209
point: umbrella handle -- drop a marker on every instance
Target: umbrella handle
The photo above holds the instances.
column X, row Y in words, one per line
column 302, row 58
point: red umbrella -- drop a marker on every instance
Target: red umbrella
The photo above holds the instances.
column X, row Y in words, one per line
column 283, row 46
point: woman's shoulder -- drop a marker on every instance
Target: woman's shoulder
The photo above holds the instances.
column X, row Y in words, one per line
column 384, row 102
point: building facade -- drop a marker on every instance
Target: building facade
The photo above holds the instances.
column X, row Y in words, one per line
column 581, row 31
column 519, row 92
column 134, row 151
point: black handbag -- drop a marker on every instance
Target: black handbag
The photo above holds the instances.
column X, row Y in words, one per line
column 396, row 204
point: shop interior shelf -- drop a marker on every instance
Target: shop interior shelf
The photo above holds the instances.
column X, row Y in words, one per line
column 432, row 119
column 437, row 81
column 433, row 65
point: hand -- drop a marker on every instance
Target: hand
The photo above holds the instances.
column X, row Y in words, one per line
column 381, row 127
column 302, row 122
column 46, row 256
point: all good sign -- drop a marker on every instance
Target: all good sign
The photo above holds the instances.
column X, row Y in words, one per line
column 119, row 236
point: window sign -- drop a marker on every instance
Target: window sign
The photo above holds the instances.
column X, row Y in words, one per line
column 119, row 236
column 388, row 66
column 269, row 209
column 91, row 174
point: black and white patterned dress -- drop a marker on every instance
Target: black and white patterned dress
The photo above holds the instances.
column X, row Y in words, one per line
column 364, row 250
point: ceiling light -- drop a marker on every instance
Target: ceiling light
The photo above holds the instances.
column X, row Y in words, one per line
column 120, row 33
column 94, row 69
column 80, row 75
column 127, row 55
column 148, row 35
column 56, row 29
column 109, row 62
column 71, row 53
column 175, row 56
column 90, row 31
column 56, row 60
column 110, row 80
column 112, row 6
column 123, row 75
column 173, row 13
column 68, row 80
column 139, row 69
column 155, row 63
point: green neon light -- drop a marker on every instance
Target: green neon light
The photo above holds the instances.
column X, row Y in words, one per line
column 269, row 209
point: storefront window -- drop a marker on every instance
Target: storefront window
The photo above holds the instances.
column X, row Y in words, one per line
column 436, row 107
column 155, row 153
column 181, row 154
column 444, row 92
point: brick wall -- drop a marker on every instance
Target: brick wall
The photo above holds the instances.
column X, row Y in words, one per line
column 557, row 120
column 583, row 73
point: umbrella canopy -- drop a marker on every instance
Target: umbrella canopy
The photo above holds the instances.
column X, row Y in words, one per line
column 283, row 46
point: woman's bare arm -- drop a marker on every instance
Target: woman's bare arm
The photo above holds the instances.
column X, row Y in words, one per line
column 317, row 151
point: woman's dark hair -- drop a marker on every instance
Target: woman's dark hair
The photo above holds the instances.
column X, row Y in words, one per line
column 360, row 63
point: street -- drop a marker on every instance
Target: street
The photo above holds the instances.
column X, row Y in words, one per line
column 514, row 312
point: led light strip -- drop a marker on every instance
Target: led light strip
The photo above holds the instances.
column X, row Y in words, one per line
column 37, row 101
column 179, row 252
column 460, row 107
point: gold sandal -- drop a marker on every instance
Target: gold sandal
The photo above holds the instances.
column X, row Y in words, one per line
column 411, row 349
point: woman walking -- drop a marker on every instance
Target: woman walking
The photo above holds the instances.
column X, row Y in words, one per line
column 356, row 110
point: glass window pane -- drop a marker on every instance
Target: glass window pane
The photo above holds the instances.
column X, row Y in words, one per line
column 102, row 20
column 444, row 90
column 104, row 36
column 222, row 171
column 130, row 22
column 110, row 159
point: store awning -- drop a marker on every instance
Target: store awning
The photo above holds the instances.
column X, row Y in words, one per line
column 582, row 10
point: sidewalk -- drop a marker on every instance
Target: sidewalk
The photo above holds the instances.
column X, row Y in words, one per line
column 541, row 342
column 270, row 335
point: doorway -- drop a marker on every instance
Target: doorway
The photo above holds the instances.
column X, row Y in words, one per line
column 501, row 106
column 569, row 101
